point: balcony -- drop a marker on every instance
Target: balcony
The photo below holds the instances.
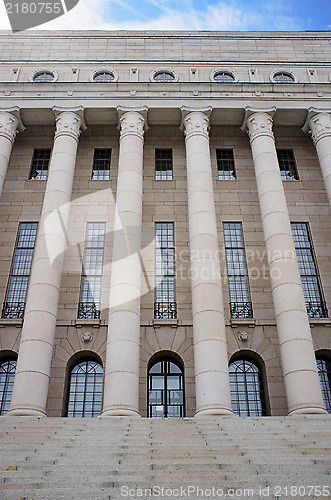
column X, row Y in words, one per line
column 240, row 310
column 165, row 310
column 88, row 310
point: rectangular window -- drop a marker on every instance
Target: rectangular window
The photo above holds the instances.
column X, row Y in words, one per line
column 287, row 165
column 90, row 289
column 311, row 283
column 240, row 302
column 14, row 304
column 101, row 164
column 165, row 303
column 39, row 164
column 163, row 165
column 225, row 165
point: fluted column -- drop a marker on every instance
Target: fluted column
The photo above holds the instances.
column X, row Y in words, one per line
column 9, row 124
column 36, row 347
column 319, row 124
column 210, row 348
column 296, row 346
column 121, row 387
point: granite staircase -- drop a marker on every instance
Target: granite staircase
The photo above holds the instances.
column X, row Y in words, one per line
column 113, row 458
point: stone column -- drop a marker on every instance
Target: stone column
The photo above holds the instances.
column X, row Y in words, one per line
column 319, row 124
column 36, row 347
column 10, row 123
column 210, row 347
column 296, row 346
column 121, row 386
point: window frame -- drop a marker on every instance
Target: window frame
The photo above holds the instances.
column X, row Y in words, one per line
column 41, row 71
column 165, row 360
column 230, row 177
column 293, row 169
column 81, row 361
column 228, row 72
column 4, row 402
column 100, row 71
column 168, row 71
column 325, row 378
column 165, row 281
column 43, row 176
column 161, row 170
column 95, row 176
column 285, row 72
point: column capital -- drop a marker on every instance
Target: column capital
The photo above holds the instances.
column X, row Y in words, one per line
column 132, row 121
column 258, row 122
column 69, row 121
column 318, row 123
column 10, row 123
column 195, row 121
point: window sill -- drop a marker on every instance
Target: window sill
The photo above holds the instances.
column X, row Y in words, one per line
column 79, row 323
column 18, row 322
column 320, row 322
column 250, row 322
column 165, row 322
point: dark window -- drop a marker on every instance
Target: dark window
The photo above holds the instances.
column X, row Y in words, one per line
column 240, row 302
column 282, row 77
column 85, row 389
column 89, row 304
column 7, row 375
column 39, row 164
column 44, row 77
column 247, row 390
column 223, row 77
column 311, row 283
column 166, row 390
column 225, row 164
column 165, row 302
column 164, row 76
column 287, row 165
column 324, row 371
column 163, row 165
column 20, row 271
column 101, row 165
column 103, row 77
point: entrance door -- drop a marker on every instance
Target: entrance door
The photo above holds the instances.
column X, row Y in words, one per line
column 166, row 389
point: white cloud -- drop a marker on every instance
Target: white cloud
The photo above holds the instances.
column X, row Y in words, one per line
column 89, row 15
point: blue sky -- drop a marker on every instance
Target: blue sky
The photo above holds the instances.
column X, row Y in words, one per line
column 193, row 15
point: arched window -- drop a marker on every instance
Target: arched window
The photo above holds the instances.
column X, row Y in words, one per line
column 7, row 375
column 283, row 77
column 44, row 77
column 223, row 77
column 104, row 77
column 324, row 371
column 166, row 389
column 247, row 390
column 85, row 389
column 164, row 76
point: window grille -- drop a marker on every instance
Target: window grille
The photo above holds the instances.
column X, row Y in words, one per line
column 225, row 164
column 101, row 165
column 287, row 165
column 240, row 302
column 247, row 389
column 85, row 389
column 90, row 291
column 39, row 164
column 7, row 375
column 165, row 303
column 163, row 165
column 14, row 304
column 311, row 283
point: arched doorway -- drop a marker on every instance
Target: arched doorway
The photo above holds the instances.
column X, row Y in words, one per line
column 85, row 389
column 247, row 388
column 166, row 397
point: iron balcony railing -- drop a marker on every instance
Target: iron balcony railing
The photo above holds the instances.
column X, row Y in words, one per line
column 317, row 309
column 13, row 310
column 241, row 310
column 88, row 310
column 165, row 310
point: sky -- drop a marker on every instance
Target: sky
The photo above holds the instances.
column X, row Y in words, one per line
column 237, row 15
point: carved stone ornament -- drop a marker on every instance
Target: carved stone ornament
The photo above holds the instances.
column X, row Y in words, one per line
column 68, row 123
column 132, row 123
column 259, row 124
column 196, row 123
column 87, row 336
column 243, row 336
column 320, row 126
column 8, row 125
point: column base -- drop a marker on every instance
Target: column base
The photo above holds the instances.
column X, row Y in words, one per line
column 119, row 412
column 212, row 412
column 25, row 412
column 308, row 411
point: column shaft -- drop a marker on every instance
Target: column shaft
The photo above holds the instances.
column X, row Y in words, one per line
column 296, row 346
column 36, row 347
column 8, row 130
column 320, row 127
column 121, row 388
column 210, row 347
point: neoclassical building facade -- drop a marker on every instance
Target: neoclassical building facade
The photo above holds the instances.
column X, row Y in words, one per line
column 165, row 223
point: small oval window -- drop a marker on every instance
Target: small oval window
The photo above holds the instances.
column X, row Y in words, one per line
column 164, row 76
column 44, row 77
column 223, row 77
column 283, row 77
column 104, row 77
